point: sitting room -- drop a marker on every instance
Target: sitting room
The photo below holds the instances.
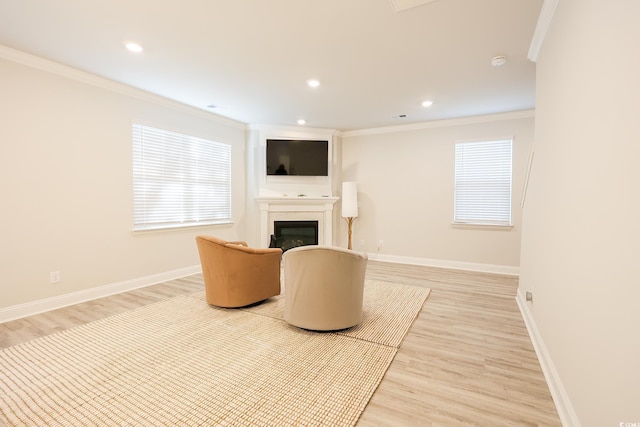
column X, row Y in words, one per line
column 442, row 187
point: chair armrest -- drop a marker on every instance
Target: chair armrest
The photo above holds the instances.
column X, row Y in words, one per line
column 239, row 243
column 253, row 251
column 262, row 251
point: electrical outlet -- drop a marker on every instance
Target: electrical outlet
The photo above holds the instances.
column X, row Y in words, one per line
column 54, row 277
column 380, row 245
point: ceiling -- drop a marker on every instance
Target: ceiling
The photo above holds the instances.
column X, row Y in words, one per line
column 376, row 60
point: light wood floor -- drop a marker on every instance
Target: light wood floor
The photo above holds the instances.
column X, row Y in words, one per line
column 467, row 359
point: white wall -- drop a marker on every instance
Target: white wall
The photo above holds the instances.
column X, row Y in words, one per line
column 581, row 236
column 66, row 181
column 405, row 187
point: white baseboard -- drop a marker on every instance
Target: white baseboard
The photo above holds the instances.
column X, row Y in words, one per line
column 456, row 265
column 564, row 407
column 52, row 303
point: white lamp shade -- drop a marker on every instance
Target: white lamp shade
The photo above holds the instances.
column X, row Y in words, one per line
column 349, row 200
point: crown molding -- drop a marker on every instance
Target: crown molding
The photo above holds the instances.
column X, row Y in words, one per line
column 544, row 22
column 262, row 127
column 52, row 67
column 523, row 114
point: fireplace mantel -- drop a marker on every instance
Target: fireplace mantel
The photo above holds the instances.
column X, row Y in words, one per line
column 298, row 200
column 301, row 208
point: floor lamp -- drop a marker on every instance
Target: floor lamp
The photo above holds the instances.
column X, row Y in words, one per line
column 349, row 207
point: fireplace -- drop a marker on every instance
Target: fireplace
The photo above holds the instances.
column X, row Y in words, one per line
column 290, row 234
column 301, row 208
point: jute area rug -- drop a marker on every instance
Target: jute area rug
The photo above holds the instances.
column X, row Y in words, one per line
column 181, row 362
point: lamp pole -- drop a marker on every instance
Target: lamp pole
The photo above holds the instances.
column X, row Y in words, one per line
column 349, row 207
column 350, row 231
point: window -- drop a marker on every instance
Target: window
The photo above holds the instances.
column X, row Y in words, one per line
column 179, row 180
column 483, row 183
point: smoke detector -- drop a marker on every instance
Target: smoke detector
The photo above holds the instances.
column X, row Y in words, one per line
column 498, row 61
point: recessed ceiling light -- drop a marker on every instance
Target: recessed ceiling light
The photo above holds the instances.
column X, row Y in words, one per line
column 313, row 83
column 302, row 122
column 427, row 103
column 134, row 47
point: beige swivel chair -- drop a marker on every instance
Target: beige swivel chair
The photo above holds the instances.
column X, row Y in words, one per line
column 236, row 275
column 323, row 287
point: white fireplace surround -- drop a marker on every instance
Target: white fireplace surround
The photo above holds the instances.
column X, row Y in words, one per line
column 297, row 209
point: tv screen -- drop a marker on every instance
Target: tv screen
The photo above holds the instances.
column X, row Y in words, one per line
column 299, row 157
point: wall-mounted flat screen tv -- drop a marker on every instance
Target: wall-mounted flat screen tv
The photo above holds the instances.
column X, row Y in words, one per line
column 299, row 157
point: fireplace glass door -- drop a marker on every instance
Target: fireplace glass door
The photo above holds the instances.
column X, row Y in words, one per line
column 290, row 234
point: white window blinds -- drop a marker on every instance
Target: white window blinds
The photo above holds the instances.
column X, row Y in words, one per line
column 179, row 180
column 483, row 182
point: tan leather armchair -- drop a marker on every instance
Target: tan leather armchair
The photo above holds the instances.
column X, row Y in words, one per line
column 236, row 275
column 324, row 287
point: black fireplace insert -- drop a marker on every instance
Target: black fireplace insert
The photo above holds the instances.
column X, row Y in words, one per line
column 290, row 234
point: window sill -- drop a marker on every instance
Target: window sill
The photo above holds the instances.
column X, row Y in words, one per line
column 480, row 226
column 170, row 228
